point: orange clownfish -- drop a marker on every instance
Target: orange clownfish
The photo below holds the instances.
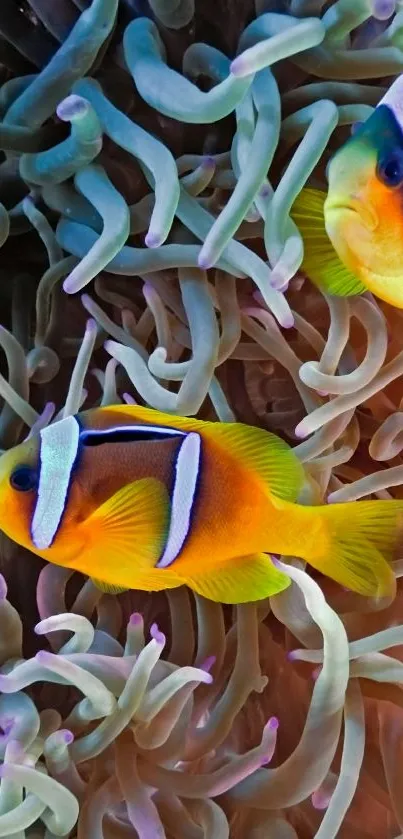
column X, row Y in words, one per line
column 137, row 499
column 353, row 236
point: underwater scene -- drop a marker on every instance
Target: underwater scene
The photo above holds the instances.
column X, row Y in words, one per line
column 201, row 419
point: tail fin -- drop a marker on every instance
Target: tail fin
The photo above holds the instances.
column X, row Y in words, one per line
column 362, row 539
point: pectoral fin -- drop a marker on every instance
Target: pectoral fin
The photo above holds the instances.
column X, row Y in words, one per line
column 243, row 580
column 321, row 262
column 125, row 536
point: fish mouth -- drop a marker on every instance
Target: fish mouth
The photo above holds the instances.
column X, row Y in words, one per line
column 353, row 205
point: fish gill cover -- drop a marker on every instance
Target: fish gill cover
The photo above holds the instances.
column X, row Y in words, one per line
column 151, row 154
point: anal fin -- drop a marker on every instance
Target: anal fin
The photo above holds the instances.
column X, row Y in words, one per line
column 108, row 588
column 242, row 580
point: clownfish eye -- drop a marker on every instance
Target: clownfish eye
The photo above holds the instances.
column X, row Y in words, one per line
column 390, row 170
column 24, row 478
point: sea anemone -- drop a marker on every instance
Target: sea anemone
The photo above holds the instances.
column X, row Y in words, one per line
column 151, row 155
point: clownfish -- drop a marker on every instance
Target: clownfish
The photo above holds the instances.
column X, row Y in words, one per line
column 138, row 499
column 353, row 236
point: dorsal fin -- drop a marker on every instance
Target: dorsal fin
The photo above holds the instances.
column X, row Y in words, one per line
column 265, row 454
column 150, row 416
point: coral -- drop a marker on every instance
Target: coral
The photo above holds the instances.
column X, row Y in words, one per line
column 150, row 157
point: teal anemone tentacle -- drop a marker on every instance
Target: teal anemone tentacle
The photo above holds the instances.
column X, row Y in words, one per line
column 283, row 36
column 156, row 160
column 43, row 228
column 64, row 200
column 17, row 138
column 11, row 421
column 111, row 328
column 245, row 129
column 44, row 293
column 194, row 183
column 200, row 221
column 342, row 93
column 169, row 92
column 174, row 14
column 343, row 17
column 241, row 155
column 73, row 398
column 269, row 26
column 327, row 59
column 282, row 239
column 187, row 162
column 204, row 60
column 226, row 299
column 201, row 59
column 13, row 88
column 371, row 63
column 205, row 344
column 78, row 240
column 252, row 177
column 205, row 336
column 95, row 185
column 19, row 222
column 72, row 61
column 295, row 126
column 64, row 160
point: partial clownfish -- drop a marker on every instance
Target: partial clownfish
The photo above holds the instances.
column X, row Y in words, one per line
column 139, row 499
column 353, row 236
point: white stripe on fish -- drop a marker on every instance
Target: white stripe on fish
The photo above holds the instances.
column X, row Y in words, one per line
column 187, row 469
column 58, row 452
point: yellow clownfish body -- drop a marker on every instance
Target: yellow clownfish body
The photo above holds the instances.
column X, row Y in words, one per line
column 353, row 236
column 137, row 499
